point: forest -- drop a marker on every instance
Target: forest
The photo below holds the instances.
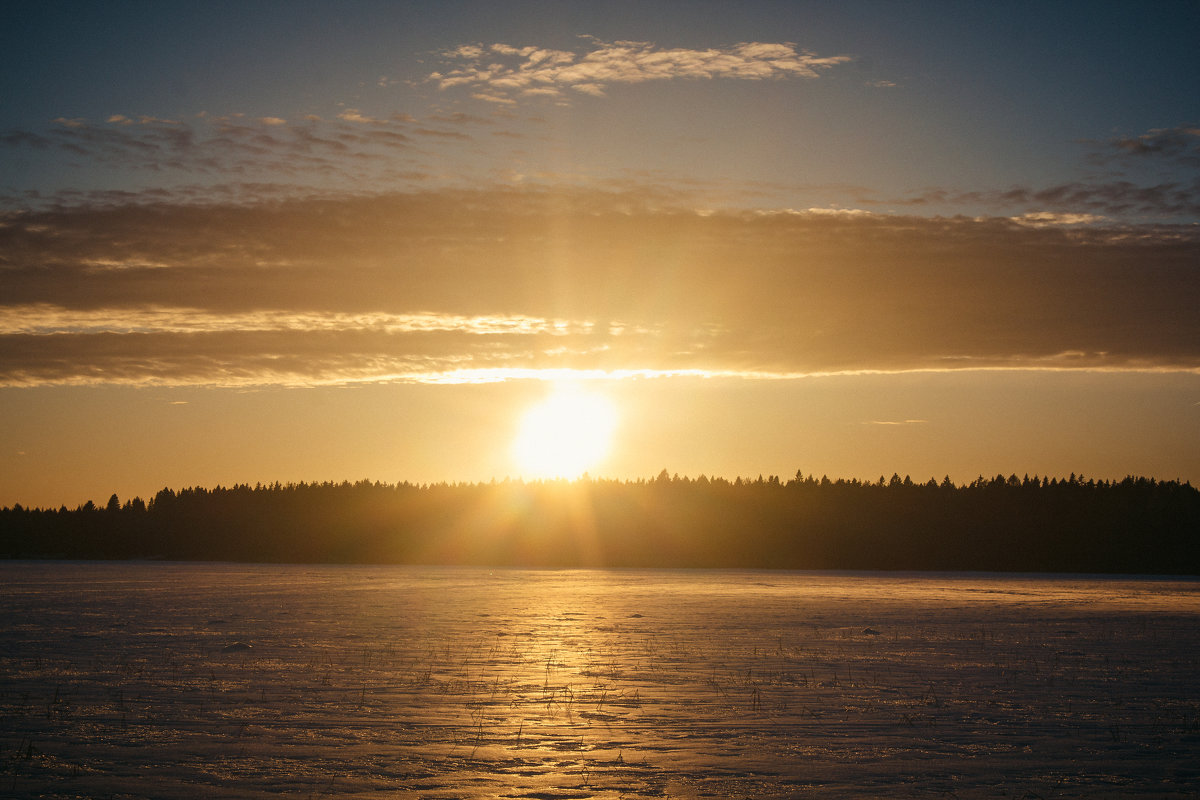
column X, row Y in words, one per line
column 1135, row 525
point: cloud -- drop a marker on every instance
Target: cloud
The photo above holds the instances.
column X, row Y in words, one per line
column 42, row 343
column 353, row 115
column 501, row 72
column 1041, row 219
column 350, row 149
column 461, row 118
column 448, row 285
column 1155, row 175
column 1117, row 198
column 1179, row 145
column 43, row 319
column 488, row 97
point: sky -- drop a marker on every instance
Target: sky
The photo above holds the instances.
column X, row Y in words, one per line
column 301, row 241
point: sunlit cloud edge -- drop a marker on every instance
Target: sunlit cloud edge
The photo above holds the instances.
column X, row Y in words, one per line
column 48, row 319
column 288, row 380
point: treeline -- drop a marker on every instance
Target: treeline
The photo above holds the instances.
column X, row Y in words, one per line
column 1136, row 525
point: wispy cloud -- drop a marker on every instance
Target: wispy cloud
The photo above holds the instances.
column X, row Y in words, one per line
column 1154, row 175
column 500, row 72
column 1179, row 145
column 1041, row 219
column 43, row 319
column 350, row 147
column 426, row 286
column 1117, row 198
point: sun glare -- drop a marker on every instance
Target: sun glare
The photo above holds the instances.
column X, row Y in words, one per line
column 565, row 435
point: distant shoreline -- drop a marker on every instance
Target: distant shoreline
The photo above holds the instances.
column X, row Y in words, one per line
column 1137, row 526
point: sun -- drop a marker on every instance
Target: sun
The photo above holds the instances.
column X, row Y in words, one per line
column 566, row 434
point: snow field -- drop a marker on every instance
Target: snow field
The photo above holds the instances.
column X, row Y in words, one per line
column 225, row 680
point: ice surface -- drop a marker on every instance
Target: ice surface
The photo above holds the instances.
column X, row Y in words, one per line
column 226, row 680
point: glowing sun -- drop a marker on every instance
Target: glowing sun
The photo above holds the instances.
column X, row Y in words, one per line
column 564, row 435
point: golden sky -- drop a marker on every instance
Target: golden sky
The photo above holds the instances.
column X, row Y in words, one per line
column 363, row 241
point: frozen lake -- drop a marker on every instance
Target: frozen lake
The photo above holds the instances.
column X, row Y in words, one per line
column 166, row 680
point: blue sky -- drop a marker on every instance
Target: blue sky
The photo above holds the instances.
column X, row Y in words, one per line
column 969, row 99
column 876, row 213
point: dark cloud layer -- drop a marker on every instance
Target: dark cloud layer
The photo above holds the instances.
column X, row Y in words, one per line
column 413, row 286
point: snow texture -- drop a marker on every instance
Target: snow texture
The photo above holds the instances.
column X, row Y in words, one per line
column 163, row 680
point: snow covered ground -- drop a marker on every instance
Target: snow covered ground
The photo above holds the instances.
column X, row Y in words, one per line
column 172, row 680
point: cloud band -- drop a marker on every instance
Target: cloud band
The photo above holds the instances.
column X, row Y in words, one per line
column 423, row 286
